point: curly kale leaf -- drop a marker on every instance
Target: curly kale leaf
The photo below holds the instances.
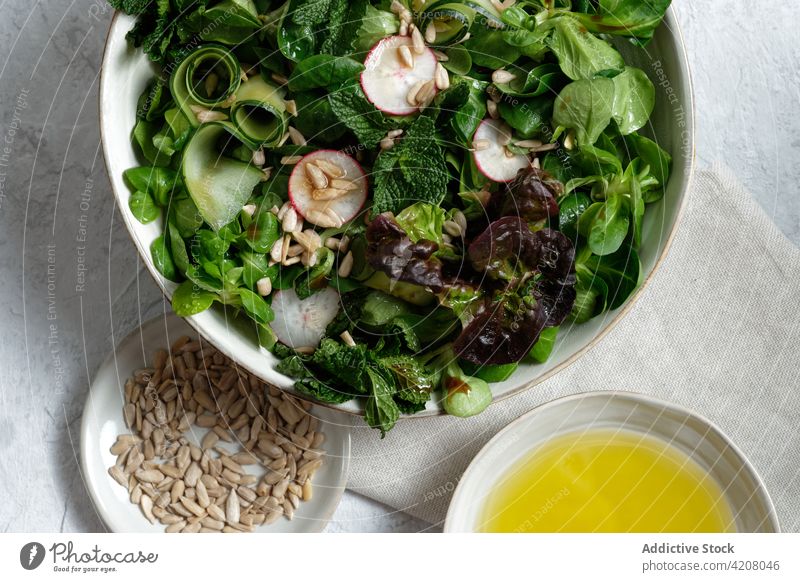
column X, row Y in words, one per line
column 336, row 373
column 412, row 171
column 345, row 364
column 321, row 391
column 381, row 411
column 163, row 27
column 133, row 7
column 414, row 382
column 407, row 407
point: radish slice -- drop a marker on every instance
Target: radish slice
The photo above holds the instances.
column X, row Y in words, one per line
column 490, row 153
column 302, row 323
column 387, row 80
column 338, row 195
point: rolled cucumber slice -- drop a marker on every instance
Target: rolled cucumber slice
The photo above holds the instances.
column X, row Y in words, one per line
column 207, row 77
column 218, row 185
column 259, row 112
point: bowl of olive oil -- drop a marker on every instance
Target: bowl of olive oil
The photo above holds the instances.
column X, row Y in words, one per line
column 611, row 462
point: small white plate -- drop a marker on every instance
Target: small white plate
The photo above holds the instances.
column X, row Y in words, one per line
column 102, row 422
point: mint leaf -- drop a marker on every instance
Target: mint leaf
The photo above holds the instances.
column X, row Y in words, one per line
column 335, row 25
column 351, row 107
column 412, row 171
column 312, row 12
column 381, row 411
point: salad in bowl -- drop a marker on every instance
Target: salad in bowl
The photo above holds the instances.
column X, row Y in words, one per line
column 405, row 200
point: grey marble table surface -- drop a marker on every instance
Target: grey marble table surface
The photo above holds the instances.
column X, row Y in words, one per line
column 71, row 284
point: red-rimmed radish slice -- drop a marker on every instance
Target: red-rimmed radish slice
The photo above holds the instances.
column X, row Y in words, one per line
column 489, row 143
column 332, row 192
column 387, row 78
column 301, row 323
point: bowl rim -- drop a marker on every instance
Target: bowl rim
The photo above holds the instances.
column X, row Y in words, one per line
column 635, row 397
column 671, row 21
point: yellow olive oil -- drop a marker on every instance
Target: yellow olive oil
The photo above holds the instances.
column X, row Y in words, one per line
column 607, row 481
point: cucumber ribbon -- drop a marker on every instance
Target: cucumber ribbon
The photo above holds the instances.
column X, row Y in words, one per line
column 210, row 78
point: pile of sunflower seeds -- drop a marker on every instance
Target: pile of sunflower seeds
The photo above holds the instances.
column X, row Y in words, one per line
column 206, row 488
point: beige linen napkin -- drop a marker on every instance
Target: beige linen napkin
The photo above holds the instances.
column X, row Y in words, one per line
column 717, row 331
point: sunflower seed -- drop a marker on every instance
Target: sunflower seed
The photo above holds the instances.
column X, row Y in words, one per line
column 442, row 77
column 411, row 96
column 287, row 241
column 212, row 524
column 528, row 143
column 405, row 56
column 327, row 193
column 279, row 489
column 309, row 468
column 291, row 107
column 192, row 506
column 146, row 504
column 178, row 489
column 502, row 77
column 118, row 475
column 176, row 527
column 277, row 250
column 280, row 79
column 451, row 228
column 192, row 474
column 426, row 93
column 418, row 42
column 232, row 509
column 397, row 7
column 288, row 510
column 330, row 169
column 480, row 145
column 430, row 33
column 264, row 286
column 204, row 115
column 289, row 222
column 202, row 495
column 171, row 471
column 170, row 519
column 192, row 528
column 290, row 160
column 315, row 175
column 151, row 476
column 307, row 490
column 258, row 158
column 546, row 147
column 297, row 138
column 347, row 339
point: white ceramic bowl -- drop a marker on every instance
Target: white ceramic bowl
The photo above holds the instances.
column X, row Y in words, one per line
column 126, row 71
column 102, row 422
column 692, row 434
